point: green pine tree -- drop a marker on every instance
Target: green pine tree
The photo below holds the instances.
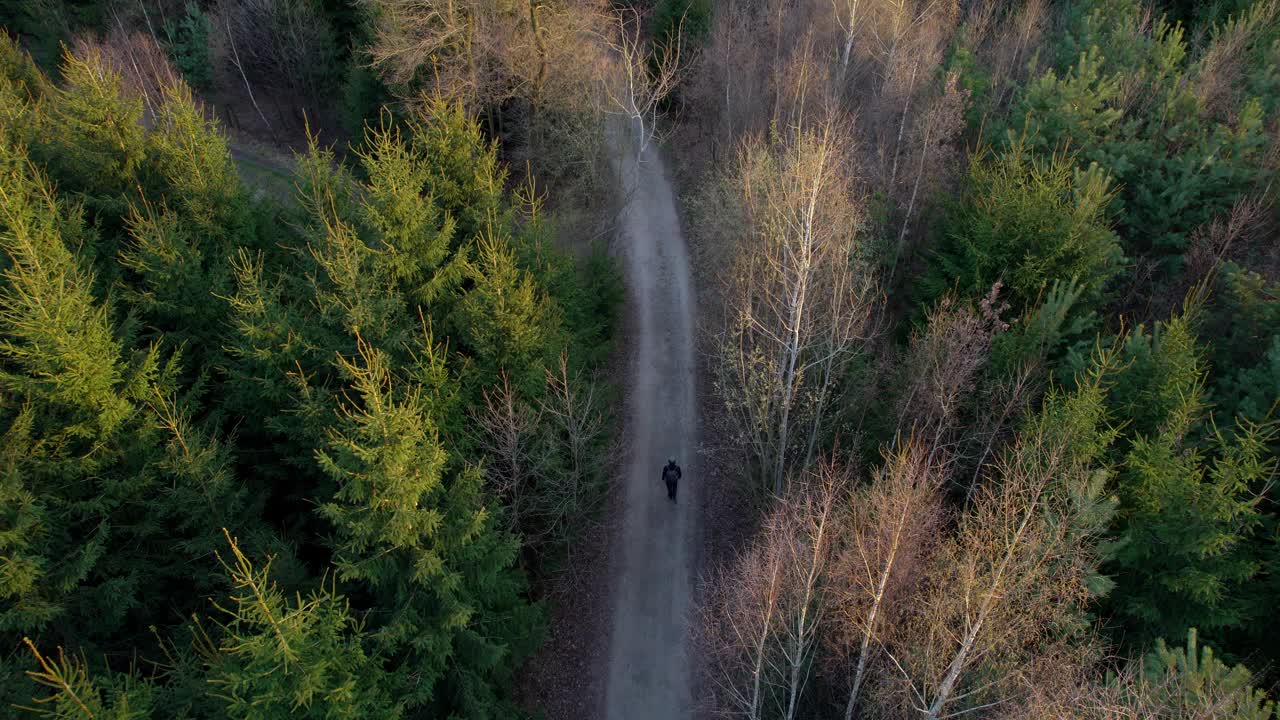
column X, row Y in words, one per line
column 95, row 143
column 1246, row 345
column 1027, row 223
column 1192, row 682
column 74, row 694
column 413, row 530
column 1127, row 96
column 280, row 658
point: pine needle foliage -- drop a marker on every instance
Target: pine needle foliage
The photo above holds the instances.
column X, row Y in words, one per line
column 76, row 695
column 182, row 362
column 1191, row 681
column 1028, row 223
column 300, row 657
column 95, row 145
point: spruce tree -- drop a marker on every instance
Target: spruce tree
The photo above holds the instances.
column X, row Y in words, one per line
column 71, row 389
column 190, row 168
column 505, row 321
column 1185, row 527
column 22, row 90
column 72, row 692
column 351, row 281
column 182, row 235
column 95, row 143
column 1188, row 497
column 1028, row 223
column 115, row 487
column 462, row 173
column 413, row 531
column 1163, row 372
column 401, row 213
column 277, row 657
column 168, row 281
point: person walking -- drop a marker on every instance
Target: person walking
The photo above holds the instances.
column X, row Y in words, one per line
column 671, row 475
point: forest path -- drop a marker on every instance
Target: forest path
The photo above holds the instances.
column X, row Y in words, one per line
column 649, row 666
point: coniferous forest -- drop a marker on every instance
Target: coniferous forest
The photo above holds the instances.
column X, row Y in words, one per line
column 315, row 330
column 242, row 471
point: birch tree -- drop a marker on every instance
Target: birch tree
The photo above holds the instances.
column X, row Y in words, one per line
column 767, row 612
column 941, row 364
column 810, row 523
column 646, row 73
column 1010, row 587
column 738, row 624
column 797, row 297
column 849, row 23
column 886, row 538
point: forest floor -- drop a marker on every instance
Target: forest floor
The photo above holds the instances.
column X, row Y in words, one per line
column 649, row 670
column 264, row 168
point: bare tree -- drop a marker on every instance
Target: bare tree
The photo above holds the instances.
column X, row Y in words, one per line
column 238, row 64
column 797, row 298
column 807, row 538
column 646, row 74
column 905, row 41
column 483, row 52
column 286, row 45
column 445, row 39
column 849, row 22
column 765, row 616
column 1010, row 587
column 542, row 460
column 729, row 83
column 574, row 427
column 1232, row 235
column 934, row 130
column 556, row 57
column 738, row 625
column 744, row 70
column 889, row 530
column 505, row 429
column 942, row 362
column 1005, row 401
column 141, row 63
column 1004, row 37
column 804, row 95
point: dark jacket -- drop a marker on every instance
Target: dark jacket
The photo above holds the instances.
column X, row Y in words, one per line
column 670, row 473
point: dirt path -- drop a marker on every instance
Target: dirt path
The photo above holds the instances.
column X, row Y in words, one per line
column 649, row 667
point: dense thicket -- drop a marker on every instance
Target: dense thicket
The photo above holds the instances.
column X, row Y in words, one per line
column 242, row 472
column 1067, row 395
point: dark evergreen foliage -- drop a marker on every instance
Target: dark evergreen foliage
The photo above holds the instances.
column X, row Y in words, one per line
column 182, row 363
